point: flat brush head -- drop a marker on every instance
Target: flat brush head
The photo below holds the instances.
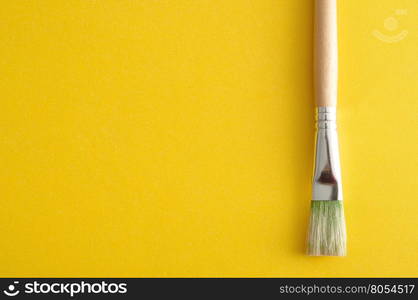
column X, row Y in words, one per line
column 327, row 233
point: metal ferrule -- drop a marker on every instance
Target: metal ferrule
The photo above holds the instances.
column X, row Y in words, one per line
column 327, row 173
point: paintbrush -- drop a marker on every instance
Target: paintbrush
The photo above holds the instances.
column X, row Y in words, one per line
column 327, row 232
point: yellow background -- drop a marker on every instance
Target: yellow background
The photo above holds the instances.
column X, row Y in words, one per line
column 175, row 138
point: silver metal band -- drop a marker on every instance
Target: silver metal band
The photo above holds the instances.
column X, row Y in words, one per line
column 326, row 117
column 327, row 172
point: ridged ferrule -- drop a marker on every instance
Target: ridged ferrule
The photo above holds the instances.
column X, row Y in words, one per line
column 327, row 172
column 326, row 117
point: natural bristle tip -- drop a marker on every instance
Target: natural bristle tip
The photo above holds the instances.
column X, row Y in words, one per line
column 327, row 232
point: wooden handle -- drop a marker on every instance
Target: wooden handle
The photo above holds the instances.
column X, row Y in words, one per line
column 326, row 53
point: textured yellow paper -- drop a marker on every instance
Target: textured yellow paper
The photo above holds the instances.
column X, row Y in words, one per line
column 175, row 138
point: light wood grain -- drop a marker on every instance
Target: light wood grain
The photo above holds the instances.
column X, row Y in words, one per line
column 326, row 53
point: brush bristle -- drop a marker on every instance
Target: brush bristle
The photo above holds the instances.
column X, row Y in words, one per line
column 327, row 233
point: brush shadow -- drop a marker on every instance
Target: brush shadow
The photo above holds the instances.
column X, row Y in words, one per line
column 306, row 132
column 305, row 138
column 299, row 146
